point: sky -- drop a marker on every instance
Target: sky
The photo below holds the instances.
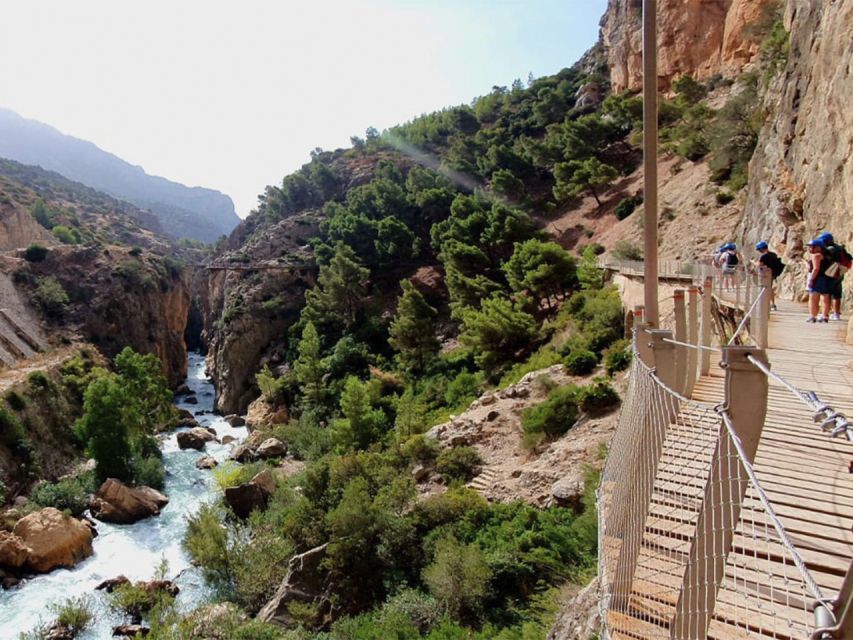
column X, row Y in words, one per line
column 234, row 95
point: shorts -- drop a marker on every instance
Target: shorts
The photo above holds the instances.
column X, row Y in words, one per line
column 822, row 285
column 836, row 288
column 728, row 269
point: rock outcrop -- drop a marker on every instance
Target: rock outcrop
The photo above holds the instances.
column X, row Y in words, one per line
column 695, row 37
column 262, row 414
column 53, row 539
column 271, row 448
column 252, row 496
column 13, row 551
column 578, row 618
column 117, row 503
column 306, row 582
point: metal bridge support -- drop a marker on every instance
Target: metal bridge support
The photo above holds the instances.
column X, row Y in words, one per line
column 746, row 401
column 631, row 498
column 705, row 355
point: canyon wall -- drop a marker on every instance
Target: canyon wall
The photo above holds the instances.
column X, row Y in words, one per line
column 696, row 37
column 801, row 176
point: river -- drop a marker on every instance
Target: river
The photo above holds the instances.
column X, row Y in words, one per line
column 134, row 550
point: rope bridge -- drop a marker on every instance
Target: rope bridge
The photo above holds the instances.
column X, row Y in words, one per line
column 692, row 545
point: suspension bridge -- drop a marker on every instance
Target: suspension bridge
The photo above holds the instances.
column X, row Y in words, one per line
column 726, row 503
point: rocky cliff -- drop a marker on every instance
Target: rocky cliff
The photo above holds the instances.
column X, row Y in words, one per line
column 701, row 38
column 801, row 176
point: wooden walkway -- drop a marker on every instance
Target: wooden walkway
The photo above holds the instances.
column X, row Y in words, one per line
column 806, row 475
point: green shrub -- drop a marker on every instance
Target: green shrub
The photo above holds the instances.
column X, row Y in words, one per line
column 206, row 542
column 136, row 601
column 35, row 253
column 135, row 251
column 580, row 362
column 66, row 235
column 458, row 577
column 75, row 614
column 11, row 429
column 420, row 449
column 723, row 197
column 68, row 494
column 458, row 463
column 15, row 400
column 627, row 205
column 626, row 250
column 38, row 381
column 545, row 357
column 617, row 357
column 148, row 471
column 50, row 297
column 463, row 389
column 555, row 416
column 232, row 474
column 598, row 397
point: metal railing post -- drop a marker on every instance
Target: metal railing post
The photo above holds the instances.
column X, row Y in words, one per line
column 705, row 355
column 650, row 160
column 692, row 338
column 763, row 329
column 680, row 312
column 630, row 504
column 746, row 402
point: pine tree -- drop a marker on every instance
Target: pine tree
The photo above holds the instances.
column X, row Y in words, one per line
column 412, row 332
column 309, row 367
column 576, row 176
column 542, row 269
column 340, row 291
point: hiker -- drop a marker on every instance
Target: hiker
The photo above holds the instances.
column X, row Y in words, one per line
column 729, row 261
column 818, row 282
column 773, row 263
column 839, row 263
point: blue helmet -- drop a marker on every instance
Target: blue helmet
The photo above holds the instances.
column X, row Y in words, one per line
column 731, row 246
column 761, row 246
column 816, row 242
column 826, row 238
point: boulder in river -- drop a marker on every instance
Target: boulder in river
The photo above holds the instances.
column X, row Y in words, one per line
column 116, row 502
column 54, row 539
column 263, row 414
column 13, row 551
column 228, row 439
column 194, row 438
column 243, row 453
column 235, row 421
column 206, row 462
column 271, row 448
column 130, row 630
column 191, row 400
column 183, row 390
column 110, row 584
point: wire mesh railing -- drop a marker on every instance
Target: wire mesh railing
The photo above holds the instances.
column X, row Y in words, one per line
column 690, row 546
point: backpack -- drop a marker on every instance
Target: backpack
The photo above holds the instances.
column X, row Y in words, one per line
column 775, row 264
column 840, row 259
column 731, row 259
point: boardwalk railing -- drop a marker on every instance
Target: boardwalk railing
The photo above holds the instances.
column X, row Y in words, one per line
column 691, row 546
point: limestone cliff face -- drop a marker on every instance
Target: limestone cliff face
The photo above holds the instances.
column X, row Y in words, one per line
column 696, row 37
column 117, row 297
column 801, row 176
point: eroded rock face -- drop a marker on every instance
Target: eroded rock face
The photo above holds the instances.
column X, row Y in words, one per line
column 116, row 502
column 696, row 37
column 262, row 414
column 305, row 583
column 578, row 618
column 801, row 176
column 55, row 540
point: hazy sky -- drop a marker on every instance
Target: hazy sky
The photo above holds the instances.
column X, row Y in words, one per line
column 234, row 95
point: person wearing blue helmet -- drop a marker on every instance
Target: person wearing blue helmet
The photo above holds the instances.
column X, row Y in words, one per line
column 729, row 261
column 769, row 260
column 818, row 282
column 839, row 262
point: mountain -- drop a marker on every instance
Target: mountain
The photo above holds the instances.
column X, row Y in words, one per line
column 182, row 212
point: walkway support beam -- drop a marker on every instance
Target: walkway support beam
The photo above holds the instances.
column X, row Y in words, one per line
column 650, row 160
column 746, row 389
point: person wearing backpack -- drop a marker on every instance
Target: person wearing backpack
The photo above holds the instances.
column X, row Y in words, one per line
column 729, row 261
column 773, row 263
column 818, row 282
column 840, row 262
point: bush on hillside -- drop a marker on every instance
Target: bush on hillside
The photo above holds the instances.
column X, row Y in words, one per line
column 627, row 250
column 598, row 397
column 580, row 362
column 617, row 357
column 459, row 463
column 35, row 253
column 627, row 206
column 68, row 494
column 555, row 416
column 51, row 297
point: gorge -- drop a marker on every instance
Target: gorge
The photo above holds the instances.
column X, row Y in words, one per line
column 415, row 329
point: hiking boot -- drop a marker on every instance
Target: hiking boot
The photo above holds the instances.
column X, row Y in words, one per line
column 835, row 316
column 812, row 320
column 772, row 307
column 822, row 319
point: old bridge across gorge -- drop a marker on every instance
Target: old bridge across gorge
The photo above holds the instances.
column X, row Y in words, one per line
column 726, row 503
